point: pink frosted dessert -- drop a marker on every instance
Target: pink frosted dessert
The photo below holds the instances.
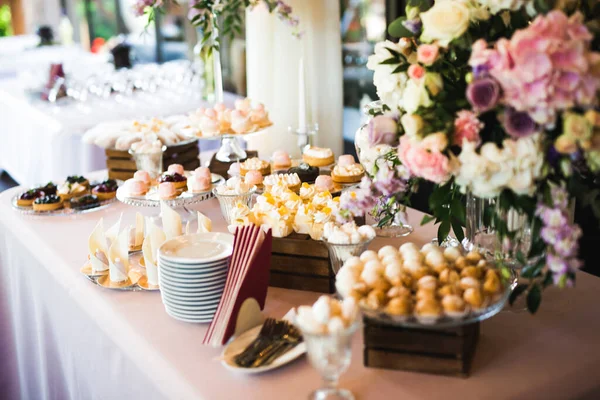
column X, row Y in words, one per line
column 281, row 159
column 346, row 160
column 202, row 172
column 240, row 123
column 136, row 187
column 210, row 113
column 253, row 178
column 243, row 105
column 220, row 107
column 166, row 190
column 323, row 183
column 197, row 184
column 176, row 169
column 143, row 176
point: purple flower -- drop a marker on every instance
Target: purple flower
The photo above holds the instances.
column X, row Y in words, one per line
column 413, row 25
column 480, row 71
column 383, row 130
column 483, row 94
column 283, row 8
column 518, row 124
column 560, row 197
column 387, row 183
column 553, row 217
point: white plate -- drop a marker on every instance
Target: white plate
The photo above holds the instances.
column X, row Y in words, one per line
column 200, row 267
column 199, row 248
column 195, row 270
column 191, row 314
column 172, row 273
column 237, row 345
column 209, row 291
column 191, row 309
column 193, row 281
column 187, row 301
column 192, row 320
column 201, row 284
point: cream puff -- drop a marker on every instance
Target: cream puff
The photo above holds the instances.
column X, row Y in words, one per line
column 324, row 183
column 203, row 172
column 318, row 156
column 176, row 168
column 240, row 122
column 167, row 191
column 143, row 176
column 135, row 187
column 199, row 184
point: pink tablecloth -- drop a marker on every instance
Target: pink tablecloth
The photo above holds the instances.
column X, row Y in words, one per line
column 63, row 338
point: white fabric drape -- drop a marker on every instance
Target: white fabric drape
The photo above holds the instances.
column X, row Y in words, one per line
column 273, row 56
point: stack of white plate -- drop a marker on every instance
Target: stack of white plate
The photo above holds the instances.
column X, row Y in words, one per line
column 192, row 270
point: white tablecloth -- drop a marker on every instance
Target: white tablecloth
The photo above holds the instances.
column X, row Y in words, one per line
column 40, row 142
column 63, row 338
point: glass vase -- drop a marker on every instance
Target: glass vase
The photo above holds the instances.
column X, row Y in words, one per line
column 481, row 233
column 395, row 227
column 208, row 63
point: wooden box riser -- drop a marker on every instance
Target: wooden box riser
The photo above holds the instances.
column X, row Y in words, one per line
column 447, row 351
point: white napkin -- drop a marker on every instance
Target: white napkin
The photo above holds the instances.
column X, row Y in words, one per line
column 119, row 258
column 171, row 221
column 204, row 223
column 154, row 238
column 113, row 231
column 139, row 229
column 98, row 249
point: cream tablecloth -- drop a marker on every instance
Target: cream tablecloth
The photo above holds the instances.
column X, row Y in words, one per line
column 63, row 338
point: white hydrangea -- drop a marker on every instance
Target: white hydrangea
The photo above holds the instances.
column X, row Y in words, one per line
column 515, row 166
column 390, row 87
column 369, row 155
column 496, row 6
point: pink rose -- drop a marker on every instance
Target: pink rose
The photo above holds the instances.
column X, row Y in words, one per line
column 427, row 54
column 466, row 127
column 416, row 72
column 430, row 165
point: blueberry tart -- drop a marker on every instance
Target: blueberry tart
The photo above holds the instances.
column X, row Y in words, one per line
column 49, row 202
column 85, row 202
column 49, row 188
column 26, row 199
column 105, row 190
column 178, row 180
column 78, row 179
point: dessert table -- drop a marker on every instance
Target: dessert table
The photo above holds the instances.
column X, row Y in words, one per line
column 42, row 141
column 61, row 337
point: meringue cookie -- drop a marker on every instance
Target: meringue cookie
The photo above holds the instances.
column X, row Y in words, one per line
column 368, row 255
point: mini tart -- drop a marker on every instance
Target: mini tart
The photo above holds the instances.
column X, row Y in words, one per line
column 78, row 179
column 49, row 188
column 178, row 180
column 84, row 202
column 106, row 190
column 338, row 176
column 318, row 157
column 47, row 203
column 26, row 199
column 264, row 167
column 71, row 194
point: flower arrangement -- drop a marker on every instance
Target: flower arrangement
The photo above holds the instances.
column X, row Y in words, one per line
column 222, row 16
column 498, row 99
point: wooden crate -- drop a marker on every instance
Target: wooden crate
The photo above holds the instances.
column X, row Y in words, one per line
column 300, row 263
column 121, row 165
column 436, row 351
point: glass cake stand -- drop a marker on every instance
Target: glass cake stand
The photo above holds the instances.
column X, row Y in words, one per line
column 180, row 203
column 231, row 149
column 28, row 210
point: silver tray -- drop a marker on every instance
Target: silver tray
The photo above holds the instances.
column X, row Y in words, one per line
column 62, row 211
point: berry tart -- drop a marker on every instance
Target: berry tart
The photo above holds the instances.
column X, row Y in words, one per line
column 85, row 202
column 71, row 189
column 49, row 188
column 347, row 170
column 50, row 202
column 177, row 179
column 255, row 164
column 78, row 179
column 105, row 190
column 318, row 156
column 26, row 199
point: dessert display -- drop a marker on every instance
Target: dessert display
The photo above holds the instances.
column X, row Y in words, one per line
column 428, row 284
column 105, row 190
column 305, row 172
column 291, row 181
column 123, row 135
column 284, row 211
column 235, row 192
column 26, row 199
column 49, row 202
column 255, row 164
column 281, row 160
column 84, row 202
column 347, row 170
column 318, row 156
column 220, row 120
column 233, row 187
column 327, row 315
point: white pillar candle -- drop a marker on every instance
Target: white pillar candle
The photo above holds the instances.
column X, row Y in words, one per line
column 302, row 121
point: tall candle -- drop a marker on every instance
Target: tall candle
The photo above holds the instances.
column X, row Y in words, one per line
column 301, row 98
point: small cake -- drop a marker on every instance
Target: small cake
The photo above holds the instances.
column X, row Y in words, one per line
column 50, row 202
column 255, row 164
column 85, row 202
column 203, row 172
column 106, row 190
column 291, row 181
column 78, row 179
column 143, row 176
column 49, row 188
column 26, row 199
column 135, row 187
column 167, row 190
column 198, row 184
column 233, row 187
column 318, row 156
column 177, row 179
column 259, row 116
column 347, row 170
column 253, row 178
column 68, row 190
column 240, row 122
column 209, row 126
column 324, row 183
column 176, row 169
column 305, row 172
column 281, row 160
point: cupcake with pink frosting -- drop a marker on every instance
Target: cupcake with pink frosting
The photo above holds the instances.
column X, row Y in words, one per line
column 199, row 184
column 324, row 183
column 143, row 176
column 240, row 122
column 167, row 191
column 176, row 168
column 135, row 187
column 202, row 172
column 281, row 160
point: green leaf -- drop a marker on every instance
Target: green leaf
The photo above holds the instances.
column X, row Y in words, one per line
column 443, row 231
column 548, row 280
column 516, row 292
column 521, row 257
column 458, row 210
column 458, row 229
column 390, row 61
column 398, row 30
column 427, row 219
column 401, row 68
column 534, row 298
